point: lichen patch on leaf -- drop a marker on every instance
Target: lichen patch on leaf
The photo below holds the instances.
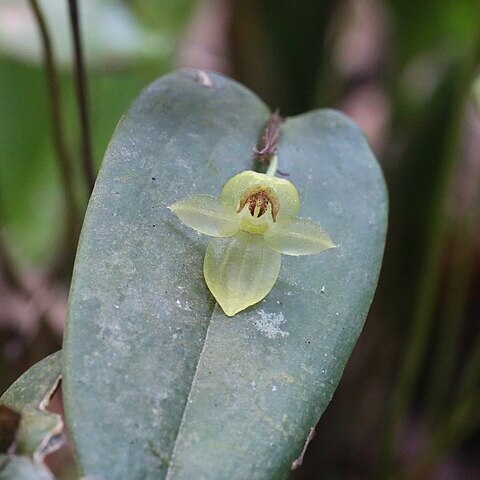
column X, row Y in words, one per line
column 269, row 324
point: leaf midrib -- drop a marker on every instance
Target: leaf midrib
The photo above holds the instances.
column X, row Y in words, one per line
column 170, row 468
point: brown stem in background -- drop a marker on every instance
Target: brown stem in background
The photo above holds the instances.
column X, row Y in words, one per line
column 54, row 97
column 267, row 147
column 81, row 88
column 269, row 141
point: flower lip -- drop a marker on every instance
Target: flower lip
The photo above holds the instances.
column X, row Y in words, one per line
column 259, row 200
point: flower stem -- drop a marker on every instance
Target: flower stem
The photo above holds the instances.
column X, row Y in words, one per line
column 272, row 166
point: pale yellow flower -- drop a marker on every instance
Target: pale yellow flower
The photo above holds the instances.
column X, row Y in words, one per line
column 254, row 221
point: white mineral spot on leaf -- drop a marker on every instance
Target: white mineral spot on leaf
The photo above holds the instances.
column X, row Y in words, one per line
column 306, row 368
column 185, row 307
column 269, row 324
column 274, row 388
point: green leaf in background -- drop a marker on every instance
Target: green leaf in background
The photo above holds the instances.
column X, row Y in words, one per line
column 27, row 174
column 32, row 210
column 22, row 468
column 450, row 28
column 113, row 37
column 166, row 384
column 39, row 431
column 32, row 391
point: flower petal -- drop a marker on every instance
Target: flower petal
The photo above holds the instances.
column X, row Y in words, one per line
column 240, row 270
column 298, row 236
column 207, row 215
column 237, row 186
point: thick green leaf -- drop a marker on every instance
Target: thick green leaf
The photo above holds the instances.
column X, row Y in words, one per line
column 35, row 386
column 22, row 468
column 39, row 431
column 166, row 384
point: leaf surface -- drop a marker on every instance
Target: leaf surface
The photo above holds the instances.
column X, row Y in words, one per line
column 165, row 382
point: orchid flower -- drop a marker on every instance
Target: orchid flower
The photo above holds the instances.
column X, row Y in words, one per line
column 253, row 222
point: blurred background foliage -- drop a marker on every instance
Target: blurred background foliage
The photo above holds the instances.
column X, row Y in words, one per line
column 407, row 406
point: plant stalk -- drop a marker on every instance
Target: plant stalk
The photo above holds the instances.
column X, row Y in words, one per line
column 457, row 297
column 422, row 321
column 54, row 96
column 82, row 96
column 272, row 166
column 7, row 269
